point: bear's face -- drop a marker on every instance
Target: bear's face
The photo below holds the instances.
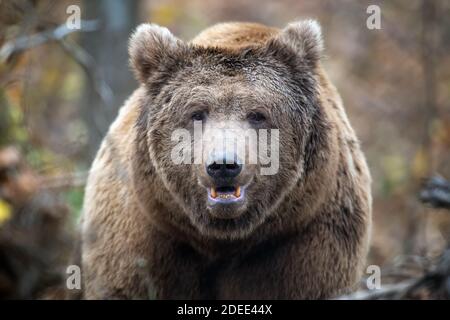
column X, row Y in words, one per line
column 204, row 104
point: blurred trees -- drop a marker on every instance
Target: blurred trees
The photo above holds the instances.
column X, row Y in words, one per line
column 36, row 240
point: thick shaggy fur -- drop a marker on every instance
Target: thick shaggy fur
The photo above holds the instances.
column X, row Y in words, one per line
column 303, row 233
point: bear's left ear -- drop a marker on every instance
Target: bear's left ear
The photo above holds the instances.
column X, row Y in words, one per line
column 150, row 48
column 304, row 38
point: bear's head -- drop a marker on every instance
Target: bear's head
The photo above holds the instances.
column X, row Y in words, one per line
column 197, row 99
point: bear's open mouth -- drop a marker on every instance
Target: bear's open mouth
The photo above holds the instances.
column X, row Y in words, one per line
column 226, row 194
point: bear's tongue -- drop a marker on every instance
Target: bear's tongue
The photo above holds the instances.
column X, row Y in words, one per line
column 227, row 192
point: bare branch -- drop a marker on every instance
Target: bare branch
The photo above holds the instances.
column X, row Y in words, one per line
column 88, row 64
column 434, row 284
column 29, row 41
column 59, row 34
column 390, row 291
column 436, row 192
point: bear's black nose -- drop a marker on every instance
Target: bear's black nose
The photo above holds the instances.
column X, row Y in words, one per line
column 223, row 170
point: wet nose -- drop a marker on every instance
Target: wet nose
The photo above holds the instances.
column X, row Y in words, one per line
column 223, row 170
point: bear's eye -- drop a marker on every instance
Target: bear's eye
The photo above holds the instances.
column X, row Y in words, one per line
column 256, row 117
column 198, row 116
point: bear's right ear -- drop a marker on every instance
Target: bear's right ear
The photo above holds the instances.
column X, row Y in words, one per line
column 150, row 47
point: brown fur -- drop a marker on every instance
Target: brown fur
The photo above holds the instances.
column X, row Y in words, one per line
column 305, row 231
column 234, row 35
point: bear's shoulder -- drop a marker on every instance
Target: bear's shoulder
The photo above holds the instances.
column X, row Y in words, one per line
column 234, row 35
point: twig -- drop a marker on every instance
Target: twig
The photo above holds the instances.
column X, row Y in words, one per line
column 434, row 284
column 59, row 34
column 436, row 192
column 390, row 291
column 29, row 41
column 90, row 67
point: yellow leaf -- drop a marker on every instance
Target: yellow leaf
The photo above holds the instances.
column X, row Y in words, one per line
column 420, row 164
column 5, row 211
column 164, row 14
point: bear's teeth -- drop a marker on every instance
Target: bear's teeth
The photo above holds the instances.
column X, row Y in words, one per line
column 223, row 195
column 213, row 193
column 237, row 193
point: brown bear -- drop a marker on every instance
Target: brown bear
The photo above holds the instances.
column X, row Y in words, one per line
column 153, row 228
